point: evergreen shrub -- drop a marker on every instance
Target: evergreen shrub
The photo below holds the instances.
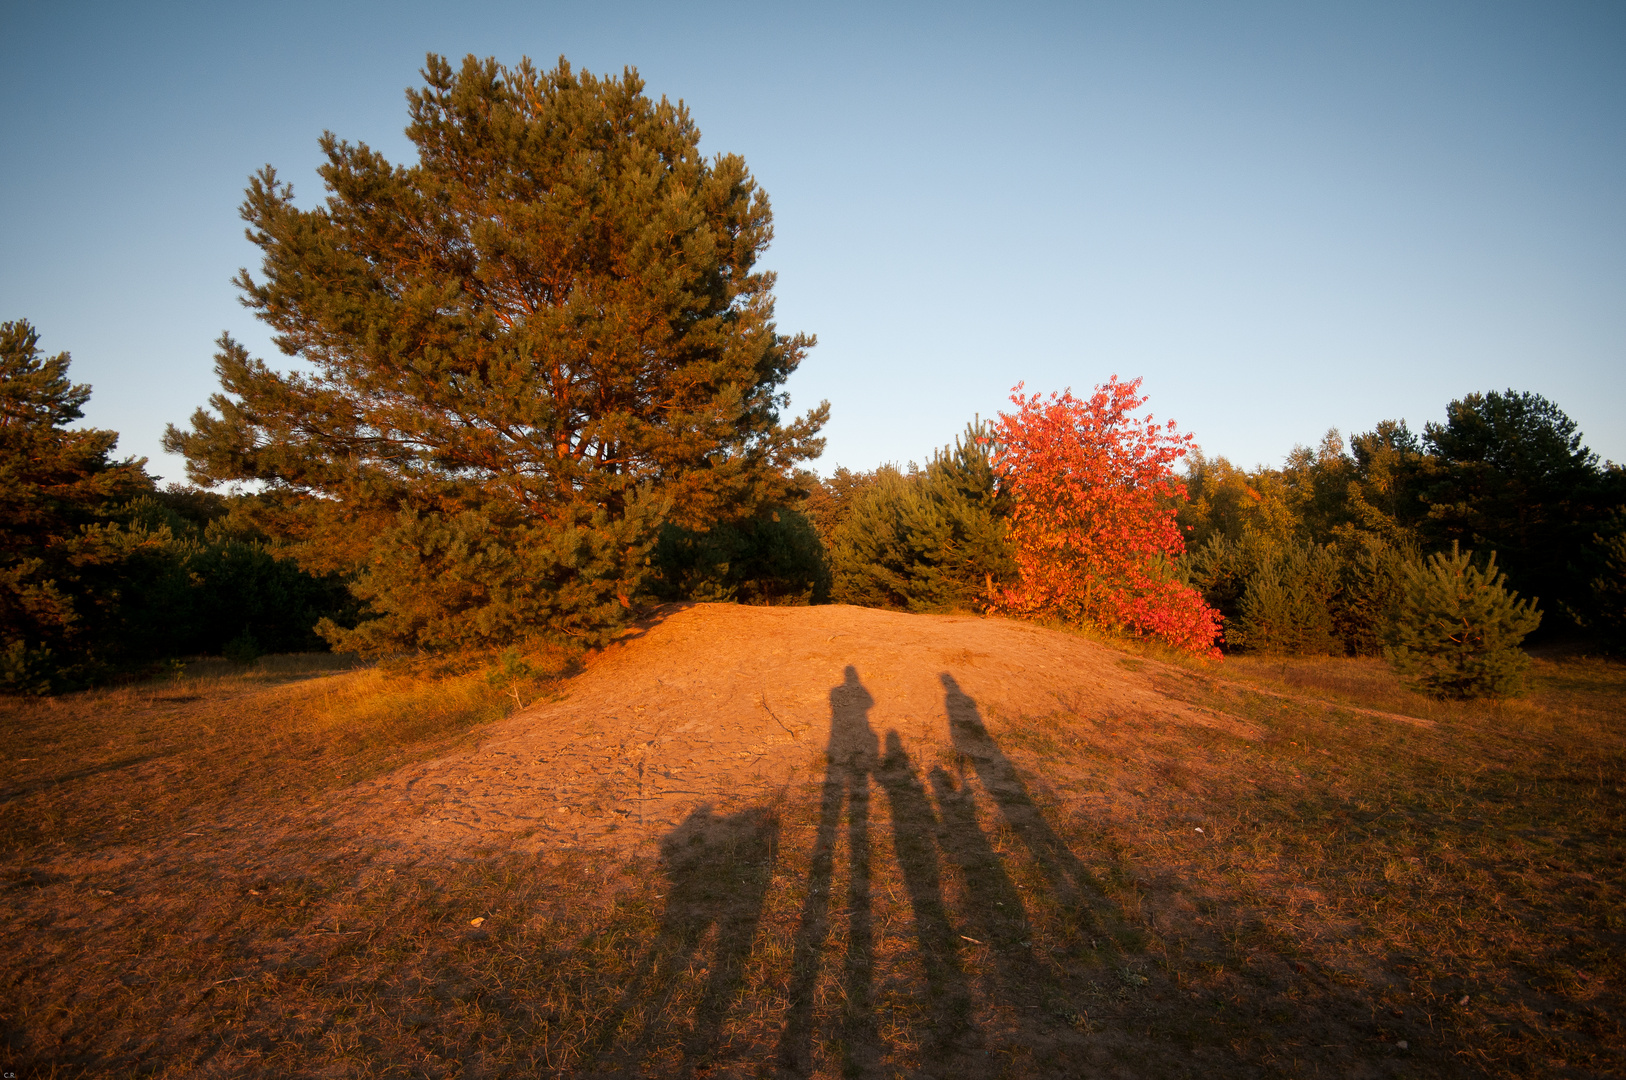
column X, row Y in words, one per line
column 1294, row 597
column 773, row 558
column 1601, row 610
column 1373, row 572
column 927, row 540
column 1457, row 629
column 1276, row 597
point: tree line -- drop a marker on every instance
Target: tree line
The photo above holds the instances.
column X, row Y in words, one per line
column 103, row 572
column 541, row 390
column 1496, row 523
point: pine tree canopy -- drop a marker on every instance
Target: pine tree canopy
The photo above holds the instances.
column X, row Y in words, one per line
column 1457, row 629
column 57, row 486
column 52, row 479
column 553, row 321
column 926, row 540
column 1509, row 471
column 1517, row 434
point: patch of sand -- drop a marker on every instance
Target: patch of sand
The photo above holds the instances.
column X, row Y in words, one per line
column 717, row 704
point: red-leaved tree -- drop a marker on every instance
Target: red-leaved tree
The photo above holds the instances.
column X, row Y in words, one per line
column 1093, row 515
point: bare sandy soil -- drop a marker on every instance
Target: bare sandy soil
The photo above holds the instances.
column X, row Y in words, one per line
column 721, row 705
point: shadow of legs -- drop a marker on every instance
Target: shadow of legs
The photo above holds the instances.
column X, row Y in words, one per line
column 717, row 871
column 850, row 756
column 914, row 837
column 996, row 910
column 1068, row 878
column 723, row 880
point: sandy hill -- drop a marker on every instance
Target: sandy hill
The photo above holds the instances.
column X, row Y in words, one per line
column 718, row 704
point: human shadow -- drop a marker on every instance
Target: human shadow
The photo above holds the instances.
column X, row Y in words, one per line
column 850, row 760
column 1069, row 880
column 717, row 869
column 916, row 836
column 996, row 912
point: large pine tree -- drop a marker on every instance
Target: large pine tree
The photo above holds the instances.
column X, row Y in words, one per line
column 526, row 351
column 1509, row 472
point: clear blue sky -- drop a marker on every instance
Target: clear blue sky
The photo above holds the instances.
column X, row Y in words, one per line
column 1285, row 216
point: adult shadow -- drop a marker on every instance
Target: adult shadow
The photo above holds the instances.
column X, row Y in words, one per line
column 1068, row 879
column 717, row 870
column 916, row 830
column 850, row 762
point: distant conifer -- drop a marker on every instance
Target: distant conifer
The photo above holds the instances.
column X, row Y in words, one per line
column 935, row 539
column 59, row 558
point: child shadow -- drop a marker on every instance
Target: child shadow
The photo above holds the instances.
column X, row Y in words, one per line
column 916, row 830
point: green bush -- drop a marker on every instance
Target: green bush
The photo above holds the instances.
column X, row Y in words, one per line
column 1300, row 598
column 926, row 540
column 1219, row 568
column 202, row 582
column 469, row 581
column 773, row 558
column 243, row 649
column 1286, row 606
column 1457, row 629
column 1601, row 610
column 1373, row 575
column 1276, row 597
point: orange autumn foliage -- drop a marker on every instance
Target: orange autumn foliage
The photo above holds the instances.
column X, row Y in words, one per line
column 1093, row 517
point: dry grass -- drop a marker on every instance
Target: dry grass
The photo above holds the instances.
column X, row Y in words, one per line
column 136, row 765
column 1080, row 894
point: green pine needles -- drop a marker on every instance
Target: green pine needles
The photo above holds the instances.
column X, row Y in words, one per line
column 1287, row 606
column 60, row 557
column 929, row 540
column 1292, row 597
column 1457, row 629
column 529, row 352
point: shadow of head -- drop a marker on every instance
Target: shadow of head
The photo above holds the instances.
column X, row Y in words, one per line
column 852, row 742
column 851, row 694
column 708, row 853
column 965, row 720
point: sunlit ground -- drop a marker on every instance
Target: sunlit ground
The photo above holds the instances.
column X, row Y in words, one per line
column 1346, row 896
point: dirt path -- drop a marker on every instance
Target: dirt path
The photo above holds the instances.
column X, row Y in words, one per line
column 719, row 704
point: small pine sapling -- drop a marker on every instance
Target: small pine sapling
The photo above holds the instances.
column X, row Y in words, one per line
column 1286, row 608
column 928, row 540
column 1457, row 630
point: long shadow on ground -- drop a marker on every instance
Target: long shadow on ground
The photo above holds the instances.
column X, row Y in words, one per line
column 971, row 949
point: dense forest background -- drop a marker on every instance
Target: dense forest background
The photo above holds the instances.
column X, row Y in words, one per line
column 1309, row 558
column 103, row 573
